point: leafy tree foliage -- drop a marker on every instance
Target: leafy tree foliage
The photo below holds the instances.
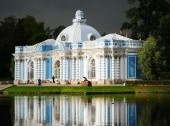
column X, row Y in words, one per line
column 57, row 31
column 150, row 58
column 19, row 32
column 151, row 18
column 145, row 17
column 7, row 37
column 29, row 31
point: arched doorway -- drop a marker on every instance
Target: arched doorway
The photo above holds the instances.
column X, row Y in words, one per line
column 57, row 69
column 31, row 71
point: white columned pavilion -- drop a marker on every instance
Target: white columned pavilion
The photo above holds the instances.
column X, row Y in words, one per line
column 114, row 56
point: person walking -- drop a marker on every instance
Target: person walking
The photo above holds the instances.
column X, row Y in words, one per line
column 39, row 82
column 53, row 79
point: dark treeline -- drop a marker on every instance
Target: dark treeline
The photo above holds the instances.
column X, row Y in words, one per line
column 20, row 32
column 150, row 20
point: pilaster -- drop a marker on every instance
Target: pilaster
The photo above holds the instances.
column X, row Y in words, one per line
column 64, row 68
column 77, row 68
column 113, row 68
column 61, row 68
column 73, row 69
column 26, row 69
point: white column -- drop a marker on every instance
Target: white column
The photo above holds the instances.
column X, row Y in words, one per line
column 26, row 70
column 77, row 68
column 67, row 68
column 69, row 64
column 16, row 69
column 97, row 69
column 106, row 67
column 85, row 70
column 64, row 69
column 81, row 68
column 100, row 67
column 42, row 69
column 35, row 69
column 19, row 69
column 44, row 64
column 125, row 66
column 110, row 67
column 61, row 69
column 118, row 68
column 113, row 67
column 122, row 67
column 103, row 68
column 73, row 69
column 39, row 68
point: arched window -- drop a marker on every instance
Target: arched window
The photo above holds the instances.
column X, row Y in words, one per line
column 31, row 71
column 92, row 38
column 57, row 69
column 92, row 68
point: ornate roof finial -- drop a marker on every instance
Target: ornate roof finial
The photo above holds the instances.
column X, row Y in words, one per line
column 79, row 17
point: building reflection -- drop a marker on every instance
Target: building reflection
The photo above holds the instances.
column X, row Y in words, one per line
column 73, row 111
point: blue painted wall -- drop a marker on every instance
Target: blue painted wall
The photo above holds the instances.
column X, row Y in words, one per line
column 131, row 66
column 49, row 113
column 108, row 70
column 49, row 68
column 138, row 69
column 132, row 114
column 46, row 48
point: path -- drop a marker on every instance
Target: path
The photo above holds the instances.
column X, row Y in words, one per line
column 3, row 86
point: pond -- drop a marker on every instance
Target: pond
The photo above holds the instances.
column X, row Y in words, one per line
column 98, row 110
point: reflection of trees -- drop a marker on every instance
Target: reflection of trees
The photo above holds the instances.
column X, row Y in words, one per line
column 154, row 112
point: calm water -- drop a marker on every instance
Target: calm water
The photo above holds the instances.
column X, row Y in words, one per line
column 116, row 110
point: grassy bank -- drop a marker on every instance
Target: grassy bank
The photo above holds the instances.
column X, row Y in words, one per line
column 85, row 90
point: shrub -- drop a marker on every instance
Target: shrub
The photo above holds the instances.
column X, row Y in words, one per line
column 147, row 82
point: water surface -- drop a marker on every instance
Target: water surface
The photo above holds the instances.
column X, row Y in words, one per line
column 64, row 110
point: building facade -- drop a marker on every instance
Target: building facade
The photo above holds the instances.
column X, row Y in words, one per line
column 79, row 51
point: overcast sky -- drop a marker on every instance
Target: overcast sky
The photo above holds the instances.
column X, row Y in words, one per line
column 104, row 15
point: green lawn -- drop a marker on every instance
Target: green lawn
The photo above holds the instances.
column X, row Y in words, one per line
column 69, row 89
column 85, row 90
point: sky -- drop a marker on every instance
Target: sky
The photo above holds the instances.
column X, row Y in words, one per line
column 104, row 15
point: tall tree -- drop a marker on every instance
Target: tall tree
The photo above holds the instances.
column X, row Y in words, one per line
column 57, row 31
column 150, row 59
column 17, row 32
column 29, row 31
column 7, row 38
column 145, row 17
column 151, row 18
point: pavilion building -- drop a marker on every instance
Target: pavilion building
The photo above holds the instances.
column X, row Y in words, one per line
column 79, row 51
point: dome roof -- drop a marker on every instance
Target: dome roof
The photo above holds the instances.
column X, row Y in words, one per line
column 78, row 31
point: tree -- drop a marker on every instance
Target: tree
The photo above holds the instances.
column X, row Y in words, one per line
column 164, row 42
column 7, row 37
column 150, row 59
column 151, row 18
column 17, row 32
column 57, row 31
column 145, row 17
column 29, row 31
